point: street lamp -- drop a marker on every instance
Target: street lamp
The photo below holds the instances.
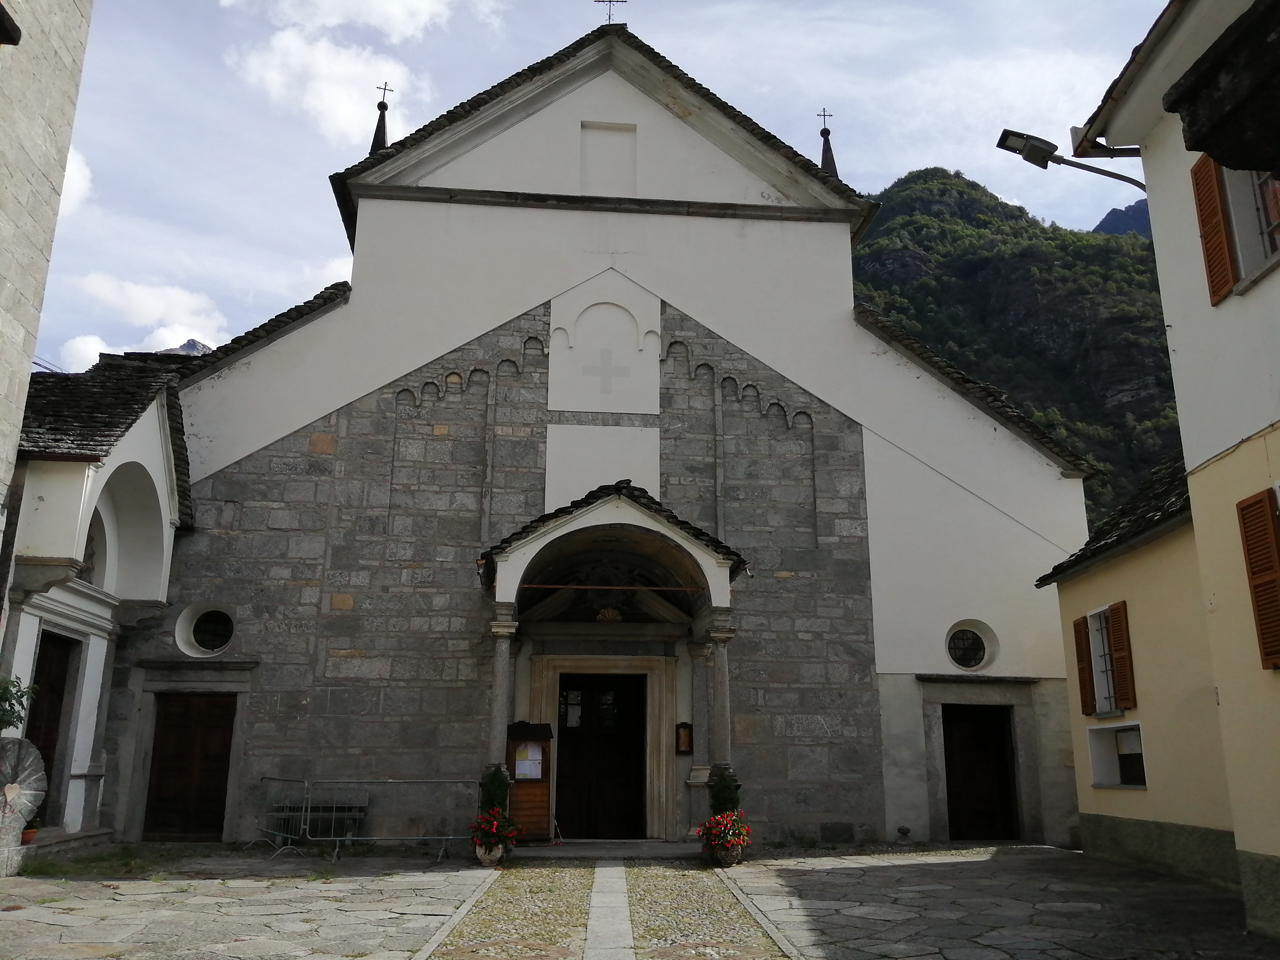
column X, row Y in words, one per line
column 1042, row 152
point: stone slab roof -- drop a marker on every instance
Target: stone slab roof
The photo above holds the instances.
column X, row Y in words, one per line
column 282, row 323
column 620, row 33
column 1161, row 501
column 992, row 399
column 637, row 495
column 82, row 416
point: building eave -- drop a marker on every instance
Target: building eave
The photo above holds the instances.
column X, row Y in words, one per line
column 1095, row 128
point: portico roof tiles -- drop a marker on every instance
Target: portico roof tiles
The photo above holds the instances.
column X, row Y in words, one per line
column 641, row 498
column 82, row 416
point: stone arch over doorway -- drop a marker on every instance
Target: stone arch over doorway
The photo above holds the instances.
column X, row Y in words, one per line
column 603, row 599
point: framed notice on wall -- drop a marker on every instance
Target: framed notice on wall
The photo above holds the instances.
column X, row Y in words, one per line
column 528, row 761
column 684, row 738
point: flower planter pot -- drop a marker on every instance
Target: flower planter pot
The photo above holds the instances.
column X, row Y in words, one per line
column 28, row 836
column 727, row 856
column 489, row 856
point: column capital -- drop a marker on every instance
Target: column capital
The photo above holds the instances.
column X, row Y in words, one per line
column 699, row 650
column 504, row 629
column 714, row 626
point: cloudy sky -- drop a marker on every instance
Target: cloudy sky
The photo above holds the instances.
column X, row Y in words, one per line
column 197, row 202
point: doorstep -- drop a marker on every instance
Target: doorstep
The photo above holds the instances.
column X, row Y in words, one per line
column 610, row 850
column 54, row 841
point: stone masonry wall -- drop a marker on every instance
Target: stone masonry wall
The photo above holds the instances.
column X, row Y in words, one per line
column 781, row 481
column 349, row 551
column 39, row 84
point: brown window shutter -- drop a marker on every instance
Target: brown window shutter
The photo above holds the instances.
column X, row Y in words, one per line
column 1084, row 668
column 1121, row 655
column 1262, row 562
column 1215, row 229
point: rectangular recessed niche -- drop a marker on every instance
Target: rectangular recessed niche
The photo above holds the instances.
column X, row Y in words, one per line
column 608, row 159
column 1115, row 752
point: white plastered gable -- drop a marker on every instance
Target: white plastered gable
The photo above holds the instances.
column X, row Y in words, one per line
column 579, row 128
column 511, row 563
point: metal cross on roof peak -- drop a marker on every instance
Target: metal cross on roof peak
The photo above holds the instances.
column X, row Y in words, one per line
column 825, row 116
column 610, row 3
column 385, row 88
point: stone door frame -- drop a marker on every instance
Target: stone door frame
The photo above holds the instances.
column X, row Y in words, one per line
column 661, row 784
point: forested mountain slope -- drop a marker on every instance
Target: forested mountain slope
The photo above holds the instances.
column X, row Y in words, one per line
column 1067, row 323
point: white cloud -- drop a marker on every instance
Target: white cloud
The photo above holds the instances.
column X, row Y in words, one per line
column 327, row 82
column 397, row 20
column 173, row 315
column 77, row 185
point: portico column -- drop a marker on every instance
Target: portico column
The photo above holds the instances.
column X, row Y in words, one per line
column 720, row 718
column 500, row 705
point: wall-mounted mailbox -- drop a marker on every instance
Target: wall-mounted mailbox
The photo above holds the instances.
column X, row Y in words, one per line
column 529, row 765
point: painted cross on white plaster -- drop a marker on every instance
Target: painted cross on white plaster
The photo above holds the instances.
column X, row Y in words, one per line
column 606, row 371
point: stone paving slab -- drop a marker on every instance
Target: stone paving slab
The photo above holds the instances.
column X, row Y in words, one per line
column 224, row 907
column 1018, row 903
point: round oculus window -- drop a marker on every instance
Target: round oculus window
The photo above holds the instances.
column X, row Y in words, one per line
column 966, row 648
column 212, row 630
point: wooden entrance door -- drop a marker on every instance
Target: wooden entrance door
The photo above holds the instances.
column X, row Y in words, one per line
column 982, row 796
column 600, row 782
column 187, row 794
column 51, row 678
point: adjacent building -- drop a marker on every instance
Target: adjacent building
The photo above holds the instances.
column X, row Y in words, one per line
column 1172, row 610
column 42, row 45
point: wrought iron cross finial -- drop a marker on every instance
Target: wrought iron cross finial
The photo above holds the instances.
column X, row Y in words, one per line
column 825, row 116
column 385, row 88
column 610, row 3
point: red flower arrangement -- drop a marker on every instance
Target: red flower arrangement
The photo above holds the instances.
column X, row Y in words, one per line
column 725, row 831
column 494, row 829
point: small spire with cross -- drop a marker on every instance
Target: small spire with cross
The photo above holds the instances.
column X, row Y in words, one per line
column 828, row 155
column 610, row 4
column 380, row 131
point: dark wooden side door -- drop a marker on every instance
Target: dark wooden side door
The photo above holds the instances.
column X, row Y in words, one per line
column 51, row 678
column 600, row 783
column 982, row 795
column 187, row 795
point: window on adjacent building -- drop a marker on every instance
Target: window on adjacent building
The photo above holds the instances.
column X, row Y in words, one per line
column 1260, row 536
column 1115, row 753
column 1104, row 661
column 1239, row 216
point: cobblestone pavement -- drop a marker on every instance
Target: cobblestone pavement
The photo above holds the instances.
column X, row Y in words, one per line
column 537, row 910
column 1020, row 903
column 1007, row 904
column 228, row 907
column 681, row 911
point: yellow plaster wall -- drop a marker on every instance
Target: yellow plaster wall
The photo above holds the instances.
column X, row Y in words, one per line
column 1250, row 695
column 1181, row 742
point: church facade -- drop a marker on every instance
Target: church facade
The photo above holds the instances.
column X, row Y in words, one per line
column 596, row 441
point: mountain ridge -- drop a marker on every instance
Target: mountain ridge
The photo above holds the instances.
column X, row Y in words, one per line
column 1067, row 323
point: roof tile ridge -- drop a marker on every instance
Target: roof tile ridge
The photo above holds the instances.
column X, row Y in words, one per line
column 1162, row 496
column 992, row 397
column 285, row 318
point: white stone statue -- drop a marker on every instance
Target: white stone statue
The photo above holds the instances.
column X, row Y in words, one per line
column 22, row 787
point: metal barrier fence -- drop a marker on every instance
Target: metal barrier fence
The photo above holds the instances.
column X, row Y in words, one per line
column 350, row 811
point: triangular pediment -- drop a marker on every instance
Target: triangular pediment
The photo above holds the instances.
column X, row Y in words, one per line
column 543, row 130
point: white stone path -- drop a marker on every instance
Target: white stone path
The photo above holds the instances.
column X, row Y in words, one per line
column 609, row 921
